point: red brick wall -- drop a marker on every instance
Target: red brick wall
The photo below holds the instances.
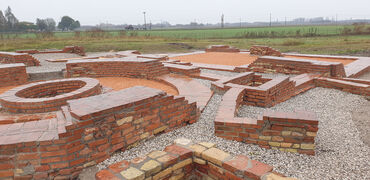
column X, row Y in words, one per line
column 100, row 126
column 68, row 49
column 292, row 132
column 129, row 67
column 10, row 58
column 270, row 64
column 12, row 74
column 354, row 87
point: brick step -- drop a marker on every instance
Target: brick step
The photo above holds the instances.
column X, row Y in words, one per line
column 303, row 83
column 186, row 86
column 207, row 76
column 67, row 115
column 176, row 68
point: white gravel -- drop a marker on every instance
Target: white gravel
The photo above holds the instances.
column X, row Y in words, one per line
column 340, row 154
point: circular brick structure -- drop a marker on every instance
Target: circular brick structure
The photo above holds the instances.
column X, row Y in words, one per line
column 48, row 95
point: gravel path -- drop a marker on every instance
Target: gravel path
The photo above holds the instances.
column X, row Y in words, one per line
column 340, row 152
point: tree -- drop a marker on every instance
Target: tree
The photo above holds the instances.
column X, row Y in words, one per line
column 12, row 21
column 41, row 24
column 67, row 23
column 26, row 26
column 47, row 24
column 75, row 25
column 2, row 22
column 50, row 24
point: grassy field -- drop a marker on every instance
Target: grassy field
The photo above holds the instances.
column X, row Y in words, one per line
column 166, row 41
column 253, row 32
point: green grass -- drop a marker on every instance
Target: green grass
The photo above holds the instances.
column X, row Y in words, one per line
column 286, row 31
column 165, row 41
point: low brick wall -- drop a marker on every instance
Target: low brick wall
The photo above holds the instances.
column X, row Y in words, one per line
column 353, row 86
column 182, row 69
column 13, row 74
column 48, row 96
column 264, row 51
column 124, row 67
column 186, row 160
column 67, row 49
column 88, row 131
column 259, row 91
column 11, row 58
column 222, row 48
column 291, row 132
column 270, row 64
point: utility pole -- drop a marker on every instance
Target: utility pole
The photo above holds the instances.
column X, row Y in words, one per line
column 222, row 21
column 270, row 19
column 144, row 20
column 285, row 21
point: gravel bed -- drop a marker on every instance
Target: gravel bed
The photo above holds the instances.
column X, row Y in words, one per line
column 204, row 82
column 340, row 152
column 50, row 66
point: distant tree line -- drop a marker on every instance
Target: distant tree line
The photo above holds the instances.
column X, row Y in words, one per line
column 9, row 23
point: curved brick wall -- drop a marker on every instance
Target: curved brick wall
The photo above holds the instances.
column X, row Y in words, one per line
column 48, row 95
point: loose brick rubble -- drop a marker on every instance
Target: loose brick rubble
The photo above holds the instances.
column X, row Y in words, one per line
column 264, row 51
column 11, row 58
column 186, row 160
column 88, row 131
column 13, row 74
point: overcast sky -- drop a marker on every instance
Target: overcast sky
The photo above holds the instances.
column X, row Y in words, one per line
column 91, row 12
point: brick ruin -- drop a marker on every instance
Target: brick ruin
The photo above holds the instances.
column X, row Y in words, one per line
column 47, row 96
column 13, row 74
column 264, row 51
column 86, row 125
column 11, row 58
column 88, row 130
column 187, row 160
column 222, row 48
column 67, row 49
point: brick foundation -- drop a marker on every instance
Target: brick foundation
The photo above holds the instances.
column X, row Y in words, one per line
column 221, row 48
column 291, row 132
column 12, row 74
column 11, row 58
column 88, row 131
column 67, row 49
column 186, row 160
column 123, row 67
column 48, row 95
column 270, row 64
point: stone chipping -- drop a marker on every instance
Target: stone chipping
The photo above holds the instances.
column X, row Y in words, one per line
column 340, row 153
